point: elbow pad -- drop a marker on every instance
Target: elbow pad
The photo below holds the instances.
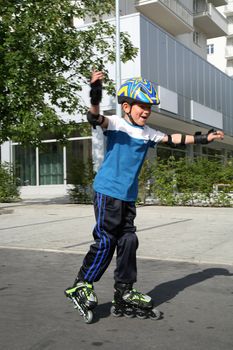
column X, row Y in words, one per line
column 93, row 119
column 174, row 145
column 96, row 93
column 202, row 139
column 170, row 142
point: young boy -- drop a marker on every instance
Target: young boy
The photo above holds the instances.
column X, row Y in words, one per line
column 116, row 186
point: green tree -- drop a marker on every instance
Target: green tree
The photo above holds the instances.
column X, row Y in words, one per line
column 45, row 60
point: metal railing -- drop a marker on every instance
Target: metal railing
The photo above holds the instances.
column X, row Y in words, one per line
column 175, row 6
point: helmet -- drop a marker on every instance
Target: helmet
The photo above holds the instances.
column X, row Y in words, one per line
column 138, row 90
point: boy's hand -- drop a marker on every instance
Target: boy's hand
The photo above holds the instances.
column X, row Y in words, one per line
column 215, row 135
column 95, row 76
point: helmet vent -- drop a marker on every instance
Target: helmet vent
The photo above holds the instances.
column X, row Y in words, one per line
column 143, row 90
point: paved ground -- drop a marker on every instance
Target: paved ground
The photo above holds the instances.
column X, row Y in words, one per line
column 185, row 263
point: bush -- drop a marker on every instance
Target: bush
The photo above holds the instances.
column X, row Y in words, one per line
column 81, row 176
column 186, row 182
column 8, row 188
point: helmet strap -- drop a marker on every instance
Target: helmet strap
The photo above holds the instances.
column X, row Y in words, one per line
column 130, row 117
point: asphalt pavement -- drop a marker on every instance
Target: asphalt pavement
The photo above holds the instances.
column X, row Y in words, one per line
column 185, row 262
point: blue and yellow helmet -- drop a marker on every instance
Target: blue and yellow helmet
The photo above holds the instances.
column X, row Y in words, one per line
column 138, row 90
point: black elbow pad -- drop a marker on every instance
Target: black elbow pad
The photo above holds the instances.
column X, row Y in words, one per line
column 93, row 119
column 170, row 142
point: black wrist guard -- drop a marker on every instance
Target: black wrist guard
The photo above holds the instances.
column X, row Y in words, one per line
column 202, row 139
column 93, row 119
column 96, row 93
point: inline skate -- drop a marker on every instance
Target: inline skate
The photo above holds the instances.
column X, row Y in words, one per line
column 129, row 302
column 84, row 299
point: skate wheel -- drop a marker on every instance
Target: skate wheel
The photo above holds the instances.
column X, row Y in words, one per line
column 88, row 316
column 128, row 313
column 115, row 312
column 155, row 314
column 140, row 314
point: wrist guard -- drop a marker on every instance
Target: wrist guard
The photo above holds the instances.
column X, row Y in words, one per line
column 202, row 139
column 96, row 93
column 93, row 119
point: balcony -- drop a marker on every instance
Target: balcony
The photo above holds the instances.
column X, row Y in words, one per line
column 230, row 30
column 211, row 22
column 229, row 53
column 217, row 3
column 228, row 10
column 168, row 14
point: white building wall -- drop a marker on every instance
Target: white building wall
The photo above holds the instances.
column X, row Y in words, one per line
column 6, row 152
column 222, row 57
column 217, row 58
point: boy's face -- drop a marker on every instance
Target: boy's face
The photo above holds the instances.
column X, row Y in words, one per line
column 140, row 112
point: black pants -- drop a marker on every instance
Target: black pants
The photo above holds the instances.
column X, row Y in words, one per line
column 114, row 230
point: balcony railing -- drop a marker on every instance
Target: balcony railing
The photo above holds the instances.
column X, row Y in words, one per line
column 211, row 22
column 168, row 14
column 228, row 9
column 217, row 3
column 229, row 52
column 230, row 29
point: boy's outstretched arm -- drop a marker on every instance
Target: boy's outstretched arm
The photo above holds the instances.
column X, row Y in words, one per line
column 198, row 138
column 93, row 116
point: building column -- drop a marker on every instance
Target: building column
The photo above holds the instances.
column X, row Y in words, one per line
column 6, row 152
column 98, row 147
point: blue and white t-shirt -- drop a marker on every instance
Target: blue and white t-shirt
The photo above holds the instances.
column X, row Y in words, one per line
column 127, row 146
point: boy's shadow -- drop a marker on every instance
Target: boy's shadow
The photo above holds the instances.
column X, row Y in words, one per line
column 168, row 290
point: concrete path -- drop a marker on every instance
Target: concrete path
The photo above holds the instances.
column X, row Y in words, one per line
column 202, row 235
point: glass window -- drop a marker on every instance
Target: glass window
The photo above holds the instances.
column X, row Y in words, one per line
column 178, row 154
column 196, row 38
column 210, row 49
column 24, row 159
column 51, row 164
column 163, row 152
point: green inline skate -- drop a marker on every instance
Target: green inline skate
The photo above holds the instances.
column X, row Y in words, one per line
column 130, row 303
column 83, row 296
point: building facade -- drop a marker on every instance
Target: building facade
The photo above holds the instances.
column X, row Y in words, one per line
column 195, row 96
column 220, row 50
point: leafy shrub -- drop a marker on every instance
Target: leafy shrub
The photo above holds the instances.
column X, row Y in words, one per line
column 8, row 187
column 81, row 176
column 187, row 182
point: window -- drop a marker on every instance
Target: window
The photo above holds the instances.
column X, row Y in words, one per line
column 196, row 38
column 51, row 164
column 164, row 152
column 25, row 164
column 195, row 6
column 210, row 49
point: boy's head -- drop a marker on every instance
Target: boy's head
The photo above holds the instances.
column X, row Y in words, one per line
column 137, row 96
